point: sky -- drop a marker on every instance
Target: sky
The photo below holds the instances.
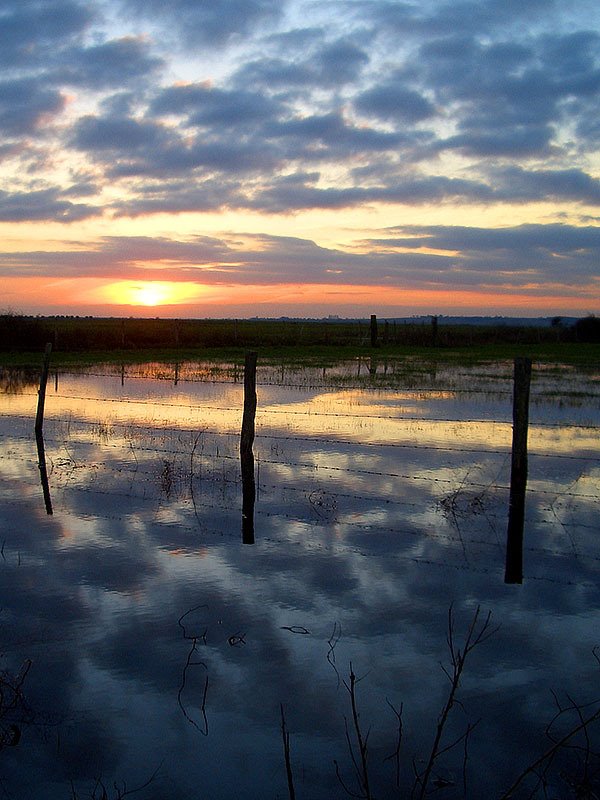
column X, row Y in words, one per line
column 239, row 158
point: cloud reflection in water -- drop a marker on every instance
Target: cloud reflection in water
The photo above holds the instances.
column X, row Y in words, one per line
column 369, row 521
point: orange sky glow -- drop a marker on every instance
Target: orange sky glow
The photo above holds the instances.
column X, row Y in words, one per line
column 173, row 299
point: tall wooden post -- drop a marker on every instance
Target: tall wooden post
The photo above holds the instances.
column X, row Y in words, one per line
column 374, row 342
column 246, row 451
column 518, row 472
column 434, row 331
column 39, row 417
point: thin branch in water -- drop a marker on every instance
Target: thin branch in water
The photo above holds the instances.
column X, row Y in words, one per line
column 127, row 792
column 197, row 438
column 192, row 663
column 360, row 762
column 332, row 642
column 466, row 756
column 396, row 754
column 286, row 751
column 551, row 752
column 477, row 633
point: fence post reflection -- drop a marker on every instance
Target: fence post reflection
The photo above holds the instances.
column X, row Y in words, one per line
column 246, row 451
column 39, row 438
column 518, row 473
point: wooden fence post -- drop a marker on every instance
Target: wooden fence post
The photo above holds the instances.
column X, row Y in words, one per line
column 374, row 342
column 518, row 472
column 246, row 452
column 39, row 417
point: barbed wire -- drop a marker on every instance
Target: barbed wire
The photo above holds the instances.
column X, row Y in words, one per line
column 291, row 412
column 463, row 566
column 314, row 467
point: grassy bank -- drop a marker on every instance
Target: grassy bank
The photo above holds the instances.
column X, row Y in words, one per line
column 84, row 341
column 585, row 356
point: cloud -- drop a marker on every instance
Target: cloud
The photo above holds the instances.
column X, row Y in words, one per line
column 522, row 185
column 445, row 18
column 557, row 252
column 114, row 63
column 118, row 134
column 204, row 105
column 425, row 257
column 299, row 191
column 394, row 102
column 25, row 105
column 308, row 62
column 42, row 205
column 209, row 24
column 291, row 195
column 31, row 30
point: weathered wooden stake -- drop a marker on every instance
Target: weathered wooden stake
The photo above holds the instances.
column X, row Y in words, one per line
column 374, row 342
column 246, row 452
column 247, row 438
column 434, row 331
column 39, row 417
column 518, row 472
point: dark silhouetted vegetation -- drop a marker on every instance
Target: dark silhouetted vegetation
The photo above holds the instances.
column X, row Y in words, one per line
column 89, row 334
column 587, row 329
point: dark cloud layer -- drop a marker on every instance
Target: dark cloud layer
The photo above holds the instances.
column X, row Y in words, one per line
column 412, row 256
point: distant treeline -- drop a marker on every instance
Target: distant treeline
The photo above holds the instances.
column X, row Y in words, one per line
column 79, row 334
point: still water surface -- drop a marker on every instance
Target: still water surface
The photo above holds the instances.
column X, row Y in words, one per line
column 162, row 648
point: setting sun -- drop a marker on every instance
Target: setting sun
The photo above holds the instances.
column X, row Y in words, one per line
column 151, row 293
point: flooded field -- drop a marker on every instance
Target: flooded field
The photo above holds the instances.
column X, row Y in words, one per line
column 146, row 645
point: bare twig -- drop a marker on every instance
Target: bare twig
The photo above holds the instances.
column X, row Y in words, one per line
column 332, row 642
column 199, row 436
column 550, row 753
column 286, row 750
column 396, row 754
column 192, row 663
column 477, row 633
column 360, row 762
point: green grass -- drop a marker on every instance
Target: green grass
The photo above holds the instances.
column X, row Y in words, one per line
column 585, row 356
